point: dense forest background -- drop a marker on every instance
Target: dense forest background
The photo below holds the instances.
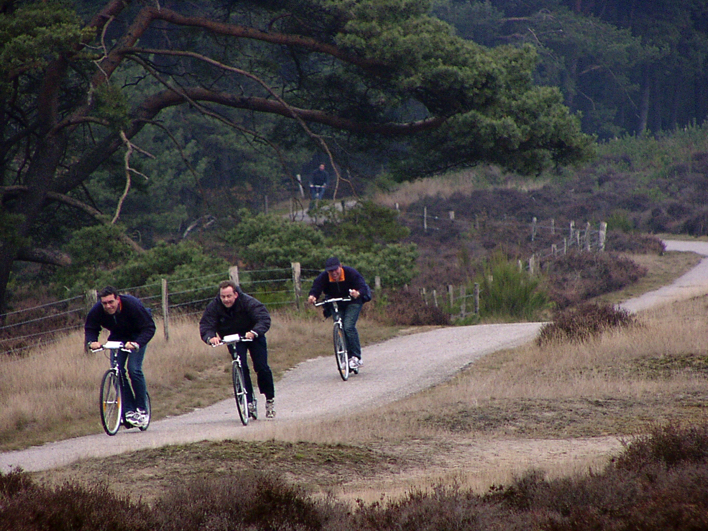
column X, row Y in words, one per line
column 127, row 127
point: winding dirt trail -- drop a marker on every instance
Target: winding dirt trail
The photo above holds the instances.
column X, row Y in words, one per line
column 394, row 369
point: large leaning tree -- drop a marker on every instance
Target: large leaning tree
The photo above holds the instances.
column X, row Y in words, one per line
column 80, row 80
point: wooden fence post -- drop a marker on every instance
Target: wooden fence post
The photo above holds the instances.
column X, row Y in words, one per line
column 425, row 219
column 297, row 288
column 451, row 213
column 553, row 226
column 532, row 264
column 533, row 228
column 603, row 235
column 450, row 295
column 476, row 298
column 463, row 301
column 423, row 294
column 233, row 275
column 587, row 236
column 435, row 297
column 165, row 310
column 377, row 283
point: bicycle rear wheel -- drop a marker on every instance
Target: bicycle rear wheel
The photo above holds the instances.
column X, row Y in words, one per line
column 111, row 403
column 340, row 352
column 148, row 408
column 240, row 392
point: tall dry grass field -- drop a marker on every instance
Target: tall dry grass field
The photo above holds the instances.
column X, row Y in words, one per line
column 52, row 393
column 464, row 183
column 561, row 408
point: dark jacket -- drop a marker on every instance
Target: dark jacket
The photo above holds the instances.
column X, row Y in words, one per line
column 132, row 322
column 247, row 314
column 319, row 177
column 352, row 280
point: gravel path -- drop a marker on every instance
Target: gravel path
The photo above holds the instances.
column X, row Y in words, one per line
column 394, row 369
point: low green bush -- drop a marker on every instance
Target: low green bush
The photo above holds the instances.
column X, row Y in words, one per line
column 506, row 291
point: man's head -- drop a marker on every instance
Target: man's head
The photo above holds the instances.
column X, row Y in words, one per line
column 228, row 293
column 110, row 299
column 322, row 166
column 333, row 267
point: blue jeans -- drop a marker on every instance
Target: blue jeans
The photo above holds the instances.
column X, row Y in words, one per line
column 133, row 385
column 349, row 319
column 259, row 356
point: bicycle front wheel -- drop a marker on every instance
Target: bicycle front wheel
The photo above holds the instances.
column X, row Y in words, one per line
column 240, row 392
column 111, row 403
column 340, row 352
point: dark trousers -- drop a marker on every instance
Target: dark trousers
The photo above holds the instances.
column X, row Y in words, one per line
column 133, row 385
column 349, row 319
column 259, row 356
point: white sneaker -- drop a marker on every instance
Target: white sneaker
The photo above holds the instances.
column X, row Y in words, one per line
column 141, row 418
column 131, row 417
column 354, row 363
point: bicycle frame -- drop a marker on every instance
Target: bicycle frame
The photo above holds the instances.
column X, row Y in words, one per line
column 341, row 352
column 112, row 413
column 237, row 376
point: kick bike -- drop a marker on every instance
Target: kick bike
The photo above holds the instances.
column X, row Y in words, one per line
column 237, row 377
column 111, row 395
column 341, row 352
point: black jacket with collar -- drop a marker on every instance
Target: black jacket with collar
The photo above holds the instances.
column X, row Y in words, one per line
column 132, row 322
column 352, row 280
column 247, row 314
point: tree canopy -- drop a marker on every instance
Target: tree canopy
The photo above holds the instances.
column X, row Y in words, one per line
column 82, row 83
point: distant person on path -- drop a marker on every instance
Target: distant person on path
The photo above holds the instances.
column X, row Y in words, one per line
column 131, row 323
column 318, row 184
column 234, row 312
column 338, row 281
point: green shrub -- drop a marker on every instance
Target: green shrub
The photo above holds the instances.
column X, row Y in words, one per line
column 508, row 292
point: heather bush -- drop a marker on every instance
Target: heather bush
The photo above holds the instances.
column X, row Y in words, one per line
column 584, row 322
column 408, row 308
column 670, row 445
column 579, row 276
column 25, row 505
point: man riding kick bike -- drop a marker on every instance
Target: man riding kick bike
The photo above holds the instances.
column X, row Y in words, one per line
column 338, row 281
column 235, row 312
column 131, row 323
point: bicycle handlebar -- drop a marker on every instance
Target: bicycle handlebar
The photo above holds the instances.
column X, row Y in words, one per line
column 111, row 345
column 333, row 300
column 233, row 338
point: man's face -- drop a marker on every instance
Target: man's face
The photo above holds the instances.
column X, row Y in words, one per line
column 228, row 296
column 336, row 273
column 110, row 304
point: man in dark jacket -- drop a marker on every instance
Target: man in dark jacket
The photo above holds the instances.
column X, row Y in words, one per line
column 234, row 312
column 318, row 185
column 338, row 281
column 130, row 322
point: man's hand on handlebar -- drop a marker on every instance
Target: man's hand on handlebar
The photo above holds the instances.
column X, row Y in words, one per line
column 215, row 340
column 95, row 345
column 312, row 299
column 354, row 294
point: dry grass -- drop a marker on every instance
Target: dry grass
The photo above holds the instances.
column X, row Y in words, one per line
column 562, row 408
column 52, row 395
column 464, row 183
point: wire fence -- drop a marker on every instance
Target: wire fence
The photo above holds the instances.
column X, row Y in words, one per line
column 281, row 287
column 47, row 323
